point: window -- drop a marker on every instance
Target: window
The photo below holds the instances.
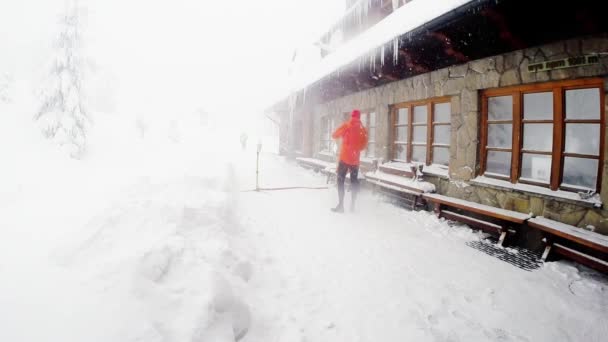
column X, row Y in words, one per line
column 369, row 121
column 545, row 134
column 326, row 131
column 421, row 132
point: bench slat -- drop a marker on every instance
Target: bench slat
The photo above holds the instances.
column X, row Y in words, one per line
column 394, row 184
column 484, row 225
column 402, row 182
column 581, row 258
column 393, row 187
column 499, row 213
column 590, row 239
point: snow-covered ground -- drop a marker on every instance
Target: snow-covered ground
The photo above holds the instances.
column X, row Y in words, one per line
column 167, row 245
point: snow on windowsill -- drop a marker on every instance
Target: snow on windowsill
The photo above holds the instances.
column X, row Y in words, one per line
column 441, row 171
column 593, row 201
column 432, row 170
column 398, row 166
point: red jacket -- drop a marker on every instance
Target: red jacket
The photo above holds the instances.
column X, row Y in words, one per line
column 354, row 140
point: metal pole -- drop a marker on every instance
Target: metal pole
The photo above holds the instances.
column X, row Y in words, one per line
column 257, row 171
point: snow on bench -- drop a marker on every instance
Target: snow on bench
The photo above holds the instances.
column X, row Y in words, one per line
column 409, row 190
column 400, row 182
column 594, row 241
column 499, row 213
column 314, row 163
column 506, row 217
column 584, row 237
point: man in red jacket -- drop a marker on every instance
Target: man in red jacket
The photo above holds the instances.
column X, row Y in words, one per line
column 354, row 140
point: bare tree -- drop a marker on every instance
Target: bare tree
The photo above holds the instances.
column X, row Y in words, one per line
column 63, row 113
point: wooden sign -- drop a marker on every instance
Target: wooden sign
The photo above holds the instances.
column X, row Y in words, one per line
column 569, row 62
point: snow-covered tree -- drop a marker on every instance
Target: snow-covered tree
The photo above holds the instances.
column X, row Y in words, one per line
column 63, row 114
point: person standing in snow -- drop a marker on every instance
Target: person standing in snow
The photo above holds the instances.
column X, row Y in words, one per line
column 354, row 140
column 243, row 141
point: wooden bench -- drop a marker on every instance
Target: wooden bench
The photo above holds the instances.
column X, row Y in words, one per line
column 556, row 231
column 505, row 219
column 405, row 189
column 314, row 164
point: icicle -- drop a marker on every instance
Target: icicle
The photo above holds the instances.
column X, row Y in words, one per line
column 382, row 55
column 395, row 5
column 395, row 50
column 374, row 53
column 291, row 103
column 304, row 95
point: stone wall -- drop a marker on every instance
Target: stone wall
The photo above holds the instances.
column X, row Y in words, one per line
column 463, row 84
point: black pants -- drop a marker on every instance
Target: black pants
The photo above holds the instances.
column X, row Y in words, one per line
column 343, row 168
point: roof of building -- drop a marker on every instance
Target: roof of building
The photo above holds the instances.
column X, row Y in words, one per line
column 423, row 36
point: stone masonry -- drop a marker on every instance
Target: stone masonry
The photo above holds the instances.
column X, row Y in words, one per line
column 463, row 84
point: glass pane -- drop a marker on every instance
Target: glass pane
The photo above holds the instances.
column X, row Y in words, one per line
column 371, row 148
column 401, row 133
column 583, row 138
column 538, row 137
column 419, row 134
column 500, row 135
column 419, row 154
column 583, row 103
column 441, row 134
column 402, row 116
column 500, row 108
column 442, row 112
column 536, row 167
column 401, row 152
column 420, row 114
column 538, row 106
column 441, row 155
column 499, row 162
column 372, row 119
column 580, row 172
column 371, row 134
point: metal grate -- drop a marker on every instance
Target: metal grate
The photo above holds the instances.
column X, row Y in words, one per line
column 517, row 256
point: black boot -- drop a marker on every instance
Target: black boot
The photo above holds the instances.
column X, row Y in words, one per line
column 338, row 209
column 353, row 199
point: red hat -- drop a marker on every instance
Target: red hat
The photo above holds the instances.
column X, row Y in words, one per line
column 356, row 114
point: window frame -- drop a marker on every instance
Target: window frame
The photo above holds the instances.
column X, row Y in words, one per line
column 430, row 128
column 326, row 135
column 559, row 121
column 365, row 116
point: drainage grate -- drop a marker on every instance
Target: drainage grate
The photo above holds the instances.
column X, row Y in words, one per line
column 516, row 256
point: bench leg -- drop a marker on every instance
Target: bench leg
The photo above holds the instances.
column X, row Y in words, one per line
column 437, row 209
column 503, row 236
column 547, row 250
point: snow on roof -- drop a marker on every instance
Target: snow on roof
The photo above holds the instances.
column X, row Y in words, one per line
column 405, row 19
